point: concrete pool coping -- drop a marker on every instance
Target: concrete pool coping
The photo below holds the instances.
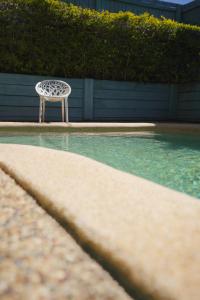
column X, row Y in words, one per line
column 100, row 127
column 145, row 234
column 40, row 260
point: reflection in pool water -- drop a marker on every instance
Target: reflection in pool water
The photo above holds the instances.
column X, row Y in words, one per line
column 169, row 159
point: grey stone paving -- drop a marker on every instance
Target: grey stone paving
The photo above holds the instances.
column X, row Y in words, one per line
column 39, row 260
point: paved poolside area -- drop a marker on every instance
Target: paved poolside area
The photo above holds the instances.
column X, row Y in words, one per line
column 147, row 234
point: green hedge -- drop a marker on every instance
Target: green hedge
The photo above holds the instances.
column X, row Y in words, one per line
column 49, row 37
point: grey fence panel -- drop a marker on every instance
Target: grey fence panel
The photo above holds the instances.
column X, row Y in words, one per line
column 189, row 103
column 19, row 101
column 191, row 13
column 129, row 101
column 30, row 114
column 101, row 100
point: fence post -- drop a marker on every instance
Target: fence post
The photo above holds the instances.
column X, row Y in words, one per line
column 88, row 114
column 173, row 101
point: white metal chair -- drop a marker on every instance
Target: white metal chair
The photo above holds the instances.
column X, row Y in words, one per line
column 53, row 90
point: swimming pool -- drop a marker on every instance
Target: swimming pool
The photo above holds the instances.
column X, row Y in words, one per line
column 172, row 160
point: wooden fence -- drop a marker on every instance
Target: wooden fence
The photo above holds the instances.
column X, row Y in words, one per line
column 130, row 101
column 91, row 100
column 189, row 13
column 101, row 100
column 189, row 103
column 19, row 101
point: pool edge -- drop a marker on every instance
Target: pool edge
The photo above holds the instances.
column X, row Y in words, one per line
column 99, row 127
column 27, row 176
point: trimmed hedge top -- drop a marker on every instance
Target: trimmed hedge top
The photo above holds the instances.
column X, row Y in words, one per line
column 48, row 37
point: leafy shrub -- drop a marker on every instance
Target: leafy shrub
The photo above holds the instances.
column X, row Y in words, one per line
column 49, row 37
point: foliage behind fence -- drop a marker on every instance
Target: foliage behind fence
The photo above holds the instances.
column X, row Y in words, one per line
column 48, row 37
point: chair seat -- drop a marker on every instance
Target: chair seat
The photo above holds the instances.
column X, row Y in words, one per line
column 53, row 99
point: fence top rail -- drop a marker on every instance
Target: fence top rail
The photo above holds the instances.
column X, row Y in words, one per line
column 156, row 4
column 153, row 4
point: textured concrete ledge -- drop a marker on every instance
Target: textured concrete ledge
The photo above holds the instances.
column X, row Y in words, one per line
column 88, row 127
column 39, row 260
column 148, row 234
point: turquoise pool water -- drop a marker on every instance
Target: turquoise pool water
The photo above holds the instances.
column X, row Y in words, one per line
column 169, row 159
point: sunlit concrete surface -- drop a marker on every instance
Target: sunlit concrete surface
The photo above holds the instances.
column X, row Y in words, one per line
column 148, row 234
column 39, row 259
column 98, row 126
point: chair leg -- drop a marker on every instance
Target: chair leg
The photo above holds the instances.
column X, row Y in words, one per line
column 63, row 110
column 43, row 110
column 66, row 111
column 40, row 111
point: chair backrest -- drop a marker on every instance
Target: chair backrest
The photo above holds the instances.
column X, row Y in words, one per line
column 53, row 88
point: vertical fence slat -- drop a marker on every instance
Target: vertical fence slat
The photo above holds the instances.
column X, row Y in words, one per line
column 178, row 13
column 173, row 102
column 98, row 5
column 88, row 99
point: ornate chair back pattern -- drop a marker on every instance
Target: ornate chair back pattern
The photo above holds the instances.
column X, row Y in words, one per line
column 53, row 88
